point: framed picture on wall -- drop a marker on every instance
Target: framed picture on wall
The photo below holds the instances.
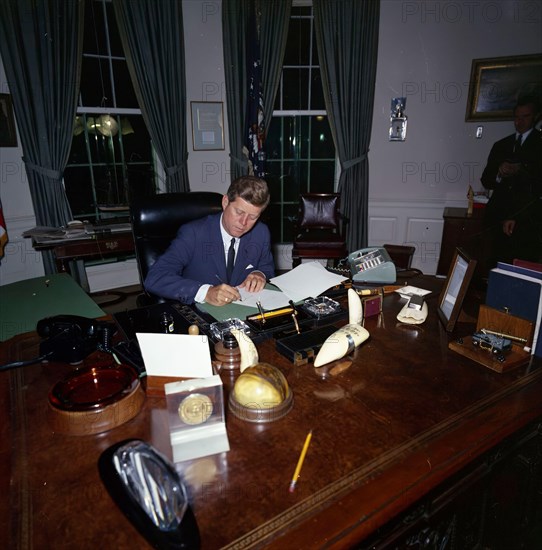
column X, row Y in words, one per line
column 496, row 84
column 8, row 134
column 207, row 125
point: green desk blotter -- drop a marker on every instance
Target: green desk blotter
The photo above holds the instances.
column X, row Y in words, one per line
column 24, row 303
column 231, row 311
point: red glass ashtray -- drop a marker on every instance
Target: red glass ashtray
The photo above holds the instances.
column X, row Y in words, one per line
column 94, row 387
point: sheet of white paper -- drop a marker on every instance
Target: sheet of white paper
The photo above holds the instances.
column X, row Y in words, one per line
column 307, row 280
column 180, row 355
column 270, row 299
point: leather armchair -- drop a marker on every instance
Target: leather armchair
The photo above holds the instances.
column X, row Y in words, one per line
column 319, row 229
column 156, row 220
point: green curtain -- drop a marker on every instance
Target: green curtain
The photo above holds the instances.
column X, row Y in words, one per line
column 41, row 45
column 347, row 42
column 153, row 40
column 234, row 31
column 274, row 17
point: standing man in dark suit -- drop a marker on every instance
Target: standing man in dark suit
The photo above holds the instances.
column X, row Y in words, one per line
column 210, row 257
column 514, row 174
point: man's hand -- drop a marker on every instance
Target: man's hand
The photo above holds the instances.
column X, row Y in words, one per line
column 254, row 282
column 507, row 169
column 508, row 227
column 221, row 295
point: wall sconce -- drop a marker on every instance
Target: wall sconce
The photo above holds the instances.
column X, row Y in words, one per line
column 398, row 119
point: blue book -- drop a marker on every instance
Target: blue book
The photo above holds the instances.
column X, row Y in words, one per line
column 519, row 294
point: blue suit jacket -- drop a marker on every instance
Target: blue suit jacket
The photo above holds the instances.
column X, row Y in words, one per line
column 196, row 257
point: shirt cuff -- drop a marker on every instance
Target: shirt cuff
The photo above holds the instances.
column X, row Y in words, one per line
column 201, row 293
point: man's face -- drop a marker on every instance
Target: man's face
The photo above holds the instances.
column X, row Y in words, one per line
column 239, row 216
column 524, row 118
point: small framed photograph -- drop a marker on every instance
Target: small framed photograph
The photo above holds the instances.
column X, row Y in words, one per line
column 207, row 125
column 455, row 288
column 8, row 133
column 496, row 84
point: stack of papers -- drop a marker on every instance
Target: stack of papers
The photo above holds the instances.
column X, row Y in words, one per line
column 307, row 280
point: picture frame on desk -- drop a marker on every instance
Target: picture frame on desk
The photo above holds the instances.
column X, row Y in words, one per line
column 455, row 289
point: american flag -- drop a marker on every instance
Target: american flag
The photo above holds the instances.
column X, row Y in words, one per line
column 3, row 232
column 255, row 109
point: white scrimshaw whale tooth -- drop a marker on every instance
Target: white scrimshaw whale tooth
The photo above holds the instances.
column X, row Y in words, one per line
column 355, row 310
column 341, row 343
column 249, row 353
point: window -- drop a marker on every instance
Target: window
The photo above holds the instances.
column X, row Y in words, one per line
column 111, row 158
column 299, row 147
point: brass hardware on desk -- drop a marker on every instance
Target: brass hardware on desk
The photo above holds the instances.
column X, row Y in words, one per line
column 111, row 245
column 273, row 313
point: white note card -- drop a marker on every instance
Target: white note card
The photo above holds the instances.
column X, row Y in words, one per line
column 182, row 355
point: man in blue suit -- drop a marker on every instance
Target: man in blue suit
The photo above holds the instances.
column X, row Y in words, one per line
column 210, row 257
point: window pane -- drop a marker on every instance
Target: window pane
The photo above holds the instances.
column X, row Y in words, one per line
column 94, row 40
column 317, row 92
column 124, row 91
column 321, row 140
column 322, row 175
column 290, row 217
column 274, row 222
column 114, row 36
column 109, row 185
column 297, row 46
column 78, row 185
column 135, row 139
column 95, row 88
column 140, row 180
column 273, row 142
column 295, row 89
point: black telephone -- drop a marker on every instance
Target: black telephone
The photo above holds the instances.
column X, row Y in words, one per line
column 70, row 338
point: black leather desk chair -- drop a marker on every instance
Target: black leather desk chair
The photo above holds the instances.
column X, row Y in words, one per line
column 156, row 220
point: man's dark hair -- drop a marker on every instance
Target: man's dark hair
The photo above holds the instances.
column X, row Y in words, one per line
column 251, row 189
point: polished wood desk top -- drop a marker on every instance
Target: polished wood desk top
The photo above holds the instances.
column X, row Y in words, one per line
column 406, row 416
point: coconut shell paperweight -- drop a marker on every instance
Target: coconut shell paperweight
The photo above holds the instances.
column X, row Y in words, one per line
column 261, row 394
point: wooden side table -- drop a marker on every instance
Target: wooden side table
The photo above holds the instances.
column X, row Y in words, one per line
column 467, row 232
column 100, row 246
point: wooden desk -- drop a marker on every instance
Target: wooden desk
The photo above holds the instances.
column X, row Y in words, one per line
column 405, row 444
column 100, row 246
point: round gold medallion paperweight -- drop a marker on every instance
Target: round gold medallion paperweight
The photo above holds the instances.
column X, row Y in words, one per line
column 195, row 409
column 261, row 394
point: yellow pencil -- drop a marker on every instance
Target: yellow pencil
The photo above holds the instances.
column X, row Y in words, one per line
column 300, row 462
